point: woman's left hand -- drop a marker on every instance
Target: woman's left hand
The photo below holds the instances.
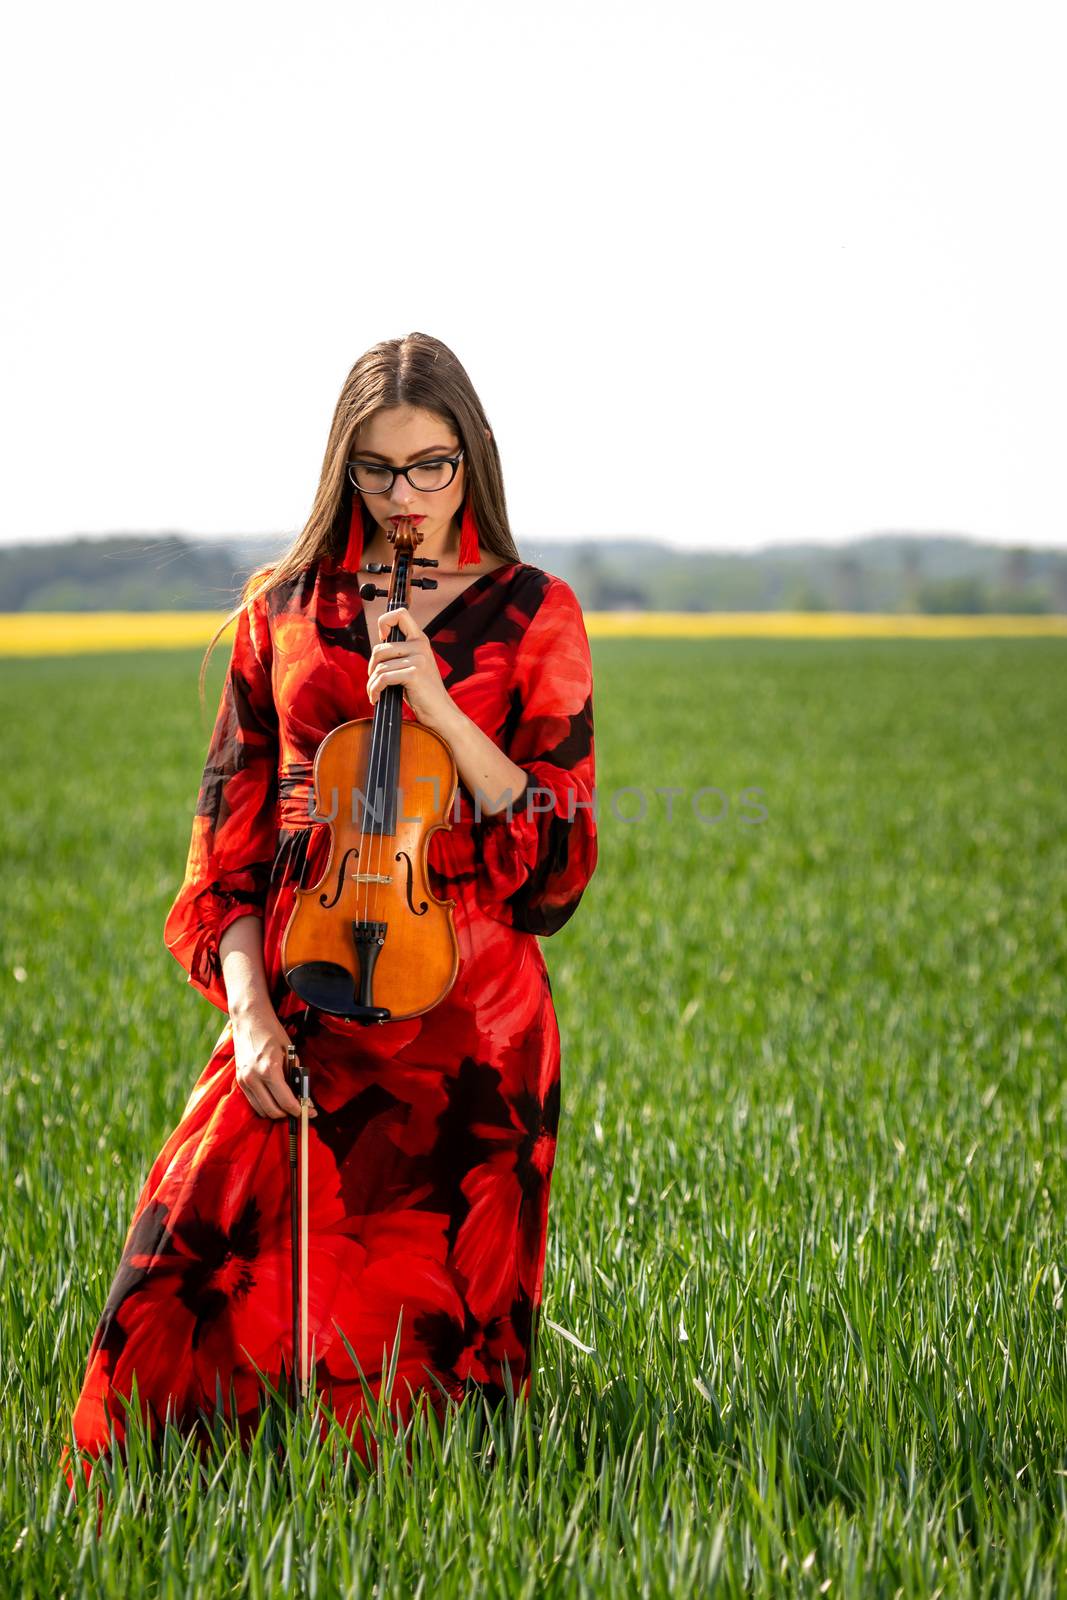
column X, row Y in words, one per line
column 409, row 662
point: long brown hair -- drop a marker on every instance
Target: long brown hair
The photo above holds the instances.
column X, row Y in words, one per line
column 420, row 371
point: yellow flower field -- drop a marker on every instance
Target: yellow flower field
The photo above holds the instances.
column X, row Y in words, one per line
column 44, row 633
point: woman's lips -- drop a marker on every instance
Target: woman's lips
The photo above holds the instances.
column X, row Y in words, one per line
column 407, row 519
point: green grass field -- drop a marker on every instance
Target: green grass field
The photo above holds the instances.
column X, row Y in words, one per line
column 804, row 1295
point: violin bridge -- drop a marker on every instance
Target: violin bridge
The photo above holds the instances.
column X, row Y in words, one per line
column 370, row 877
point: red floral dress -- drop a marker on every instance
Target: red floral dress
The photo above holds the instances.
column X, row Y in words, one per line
column 432, row 1153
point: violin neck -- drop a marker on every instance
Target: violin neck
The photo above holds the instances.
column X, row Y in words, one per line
column 381, row 780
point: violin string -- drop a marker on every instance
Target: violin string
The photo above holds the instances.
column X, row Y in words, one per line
column 387, row 746
column 370, row 836
column 367, row 802
column 363, row 888
column 377, row 797
column 394, row 714
column 360, row 908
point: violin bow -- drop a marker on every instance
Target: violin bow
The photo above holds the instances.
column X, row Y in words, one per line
column 298, row 1215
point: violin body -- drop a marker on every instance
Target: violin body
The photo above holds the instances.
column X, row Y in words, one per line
column 369, row 941
column 370, row 936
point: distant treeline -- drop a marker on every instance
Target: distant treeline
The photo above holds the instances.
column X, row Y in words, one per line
column 890, row 572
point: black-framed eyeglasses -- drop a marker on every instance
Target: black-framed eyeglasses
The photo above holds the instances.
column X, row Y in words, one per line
column 425, row 477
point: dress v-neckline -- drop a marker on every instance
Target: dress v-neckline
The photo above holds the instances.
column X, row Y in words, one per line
column 439, row 616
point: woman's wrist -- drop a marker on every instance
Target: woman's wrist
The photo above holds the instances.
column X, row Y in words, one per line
column 249, row 1005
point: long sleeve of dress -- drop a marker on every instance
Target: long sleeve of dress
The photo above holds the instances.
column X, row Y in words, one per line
column 235, row 827
column 533, row 866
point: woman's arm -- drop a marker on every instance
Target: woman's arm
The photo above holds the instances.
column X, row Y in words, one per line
column 531, row 866
column 235, row 826
column 492, row 778
column 243, row 972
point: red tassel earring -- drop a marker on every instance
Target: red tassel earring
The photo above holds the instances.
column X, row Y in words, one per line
column 469, row 551
column 353, row 556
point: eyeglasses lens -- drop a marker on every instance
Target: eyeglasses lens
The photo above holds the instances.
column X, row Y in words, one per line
column 426, row 476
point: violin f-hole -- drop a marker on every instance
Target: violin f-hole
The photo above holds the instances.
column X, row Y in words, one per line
column 423, row 906
column 341, row 871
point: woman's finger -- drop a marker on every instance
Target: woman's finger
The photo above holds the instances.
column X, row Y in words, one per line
column 382, row 679
column 253, row 1098
column 399, row 614
column 387, row 674
column 392, row 652
column 280, row 1092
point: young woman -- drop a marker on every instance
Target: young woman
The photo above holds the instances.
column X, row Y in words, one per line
column 432, row 1141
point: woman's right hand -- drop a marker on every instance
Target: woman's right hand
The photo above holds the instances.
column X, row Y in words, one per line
column 260, row 1053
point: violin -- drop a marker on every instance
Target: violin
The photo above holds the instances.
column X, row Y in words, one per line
column 369, row 941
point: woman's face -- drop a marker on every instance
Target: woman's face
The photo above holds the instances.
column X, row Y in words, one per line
column 399, row 437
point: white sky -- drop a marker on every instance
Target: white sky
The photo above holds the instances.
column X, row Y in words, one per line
column 723, row 274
